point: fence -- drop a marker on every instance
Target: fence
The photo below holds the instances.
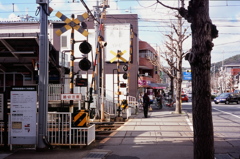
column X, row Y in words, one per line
column 60, row 131
column 54, row 92
column 59, row 128
column 110, row 108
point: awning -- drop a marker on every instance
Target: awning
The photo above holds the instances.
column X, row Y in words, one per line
column 143, row 86
column 19, row 52
column 158, row 85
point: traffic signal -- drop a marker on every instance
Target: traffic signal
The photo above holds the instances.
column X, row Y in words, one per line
column 84, row 64
column 85, row 48
column 125, row 74
column 189, row 71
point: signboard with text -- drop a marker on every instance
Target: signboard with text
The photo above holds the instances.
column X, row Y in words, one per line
column 187, row 76
column 23, row 115
column 71, row 96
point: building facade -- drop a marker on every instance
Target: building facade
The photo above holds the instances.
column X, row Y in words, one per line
column 20, row 53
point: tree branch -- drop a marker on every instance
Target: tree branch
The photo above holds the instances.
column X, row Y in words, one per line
column 167, row 6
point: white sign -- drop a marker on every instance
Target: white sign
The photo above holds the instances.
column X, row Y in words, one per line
column 71, row 96
column 23, row 117
column 117, row 37
column 1, row 106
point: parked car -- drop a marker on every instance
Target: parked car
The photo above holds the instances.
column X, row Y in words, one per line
column 189, row 95
column 227, row 98
column 236, row 91
column 184, row 98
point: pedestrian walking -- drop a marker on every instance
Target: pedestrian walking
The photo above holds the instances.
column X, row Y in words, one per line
column 146, row 104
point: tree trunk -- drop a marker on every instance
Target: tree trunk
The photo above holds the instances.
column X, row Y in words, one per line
column 172, row 93
column 203, row 32
column 178, row 108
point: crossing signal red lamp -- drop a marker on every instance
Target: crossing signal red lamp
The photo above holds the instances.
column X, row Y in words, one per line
column 125, row 74
column 84, row 64
column 85, row 48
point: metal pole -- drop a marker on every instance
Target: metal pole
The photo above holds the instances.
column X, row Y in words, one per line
column 72, row 67
column 118, row 92
column 113, row 88
column 98, row 60
column 103, row 84
column 43, row 76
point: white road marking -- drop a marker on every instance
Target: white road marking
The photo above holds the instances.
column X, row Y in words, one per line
column 227, row 113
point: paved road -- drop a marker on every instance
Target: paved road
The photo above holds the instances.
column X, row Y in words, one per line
column 226, row 122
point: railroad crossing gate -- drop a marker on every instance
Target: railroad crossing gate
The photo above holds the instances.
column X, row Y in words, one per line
column 72, row 24
column 118, row 56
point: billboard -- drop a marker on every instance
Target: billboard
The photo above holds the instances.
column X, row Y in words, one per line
column 117, row 37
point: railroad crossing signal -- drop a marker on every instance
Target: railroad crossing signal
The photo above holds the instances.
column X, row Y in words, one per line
column 72, row 24
column 125, row 74
column 118, row 56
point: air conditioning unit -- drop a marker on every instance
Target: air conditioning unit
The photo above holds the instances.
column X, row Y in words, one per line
column 42, row 1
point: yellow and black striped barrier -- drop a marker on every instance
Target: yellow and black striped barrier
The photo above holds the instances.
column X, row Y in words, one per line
column 80, row 118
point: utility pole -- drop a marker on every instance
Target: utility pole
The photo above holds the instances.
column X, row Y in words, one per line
column 43, row 74
column 97, row 33
column 99, row 54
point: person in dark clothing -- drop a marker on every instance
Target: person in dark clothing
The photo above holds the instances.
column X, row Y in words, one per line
column 146, row 103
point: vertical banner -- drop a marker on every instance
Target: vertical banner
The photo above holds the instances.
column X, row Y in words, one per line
column 1, row 106
column 23, row 115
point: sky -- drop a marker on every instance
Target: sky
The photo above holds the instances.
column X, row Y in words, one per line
column 154, row 20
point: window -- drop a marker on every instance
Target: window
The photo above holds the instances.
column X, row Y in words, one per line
column 64, row 41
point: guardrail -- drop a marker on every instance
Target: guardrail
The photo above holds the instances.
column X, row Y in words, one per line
column 133, row 104
column 54, row 93
column 61, row 132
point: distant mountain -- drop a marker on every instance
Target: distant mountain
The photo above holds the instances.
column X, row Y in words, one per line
column 231, row 60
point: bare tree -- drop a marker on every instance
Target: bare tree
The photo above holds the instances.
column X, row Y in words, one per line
column 169, row 57
column 174, row 57
column 203, row 33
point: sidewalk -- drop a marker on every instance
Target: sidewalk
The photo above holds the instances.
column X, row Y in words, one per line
column 162, row 135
